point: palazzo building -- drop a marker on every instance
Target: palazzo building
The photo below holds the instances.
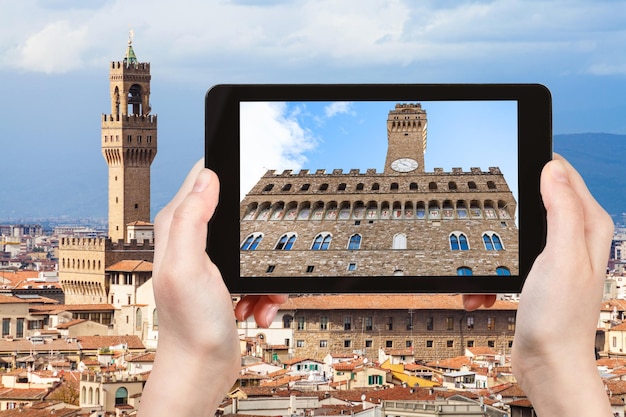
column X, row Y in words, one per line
column 129, row 145
column 402, row 221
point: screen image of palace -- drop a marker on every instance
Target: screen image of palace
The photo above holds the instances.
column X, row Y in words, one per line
column 403, row 221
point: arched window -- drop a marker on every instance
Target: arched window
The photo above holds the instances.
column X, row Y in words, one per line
column 155, row 320
column 432, row 186
column 464, row 270
column 491, row 185
column 90, row 395
column 399, row 241
column 359, row 186
column 322, row 241
column 394, row 186
column 121, row 396
column 458, row 241
column 305, row 187
column 355, row 242
column 97, row 396
column 286, row 241
column 84, row 394
column 413, row 186
column 375, row 186
column 492, row 241
column 323, row 187
column 252, row 241
column 471, row 185
column 138, row 319
column 287, row 319
column 341, row 187
column 503, row 270
column 268, row 187
column 286, row 187
column 452, row 185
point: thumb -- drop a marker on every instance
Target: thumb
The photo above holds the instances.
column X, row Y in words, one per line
column 565, row 216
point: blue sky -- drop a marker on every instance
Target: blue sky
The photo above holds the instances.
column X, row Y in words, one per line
column 348, row 135
column 54, row 58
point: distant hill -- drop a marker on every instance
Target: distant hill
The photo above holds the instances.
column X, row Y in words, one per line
column 601, row 160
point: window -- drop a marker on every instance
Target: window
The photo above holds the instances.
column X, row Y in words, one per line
column 432, row 186
column 310, row 269
column 323, row 187
column 322, row 241
column 470, row 343
column 138, row 320
column 491, row 323
column 287, row 319
column 268, row 187
column 121, row 396
column 449, row 323
column 470, row 323
column 347, row 343
column 408, row 343
column 394, row 186
column 450, row 343
column 464, row 271
column 471, row 185
column 389, row 323
column 369, row 324
column 323, row 343
column 429, row 323
column 458, row 241
column 359, row 186
column 19, row 328
column 301, row 323
column 375, row 186
column 286, row 187
column 452, row 185
column 323, row 323
column 6, row 327
column 155, row 320
column 270, row 268
column 355, row 242
column 388, row 343
column 252, row 241
column 368, row 343
column 399, row 241
column 300, row 343
column 492, row 241
column 341, row 187
column 511, row 323
column 305, row 187
column 429, row 343
column 409, row 323
column 347, row 323
column 375, row 379
column 351, row 266
column 491, row 343
column 491, row 185
column 286, row 241
column 503, row 270
column 413, row 186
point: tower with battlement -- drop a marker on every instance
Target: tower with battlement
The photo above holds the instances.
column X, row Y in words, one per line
column 129, row 145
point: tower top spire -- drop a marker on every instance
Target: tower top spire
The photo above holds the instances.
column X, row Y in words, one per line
column 130, row 58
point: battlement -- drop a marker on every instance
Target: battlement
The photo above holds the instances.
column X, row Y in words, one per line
column 272, row 173
column 103, row 244
column 111, row 120
column 129, row 67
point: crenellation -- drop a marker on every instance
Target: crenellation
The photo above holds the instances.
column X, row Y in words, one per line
column 109, row 119
column 121, row 65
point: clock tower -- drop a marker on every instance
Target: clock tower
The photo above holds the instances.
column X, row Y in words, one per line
column 406, row 139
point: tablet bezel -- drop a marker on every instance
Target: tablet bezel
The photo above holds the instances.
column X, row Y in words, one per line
column 222, row 133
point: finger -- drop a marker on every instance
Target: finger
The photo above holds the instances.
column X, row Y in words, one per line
column 245, row 306
column 598, row 225
column 565, row 217
column 473, row 302
column 188, row 227
column 265, row 311
column 164, row 217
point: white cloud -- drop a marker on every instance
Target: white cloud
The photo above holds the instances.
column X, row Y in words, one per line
column 271, row 138
column 338, row 107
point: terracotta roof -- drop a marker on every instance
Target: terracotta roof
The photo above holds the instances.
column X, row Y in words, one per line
column 131, row 266
column 71, row 323
column 609, row 304
column 9, row 299
column 618, row 328
column 385, row 302
column 97, row 342
column 611, row 363
column 298, row 360
column 73, row 308
column 23, row 393
column 616, row 387
column 451, row 363
column 23, row 345
column 144, row 357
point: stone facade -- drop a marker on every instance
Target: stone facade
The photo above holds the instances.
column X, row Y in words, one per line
column 403, row 221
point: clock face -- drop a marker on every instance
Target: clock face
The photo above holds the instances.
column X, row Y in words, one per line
column 404, row 165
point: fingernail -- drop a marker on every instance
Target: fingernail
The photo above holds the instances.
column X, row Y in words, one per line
column 202, row 181
column 557, row 170
column 271, row 313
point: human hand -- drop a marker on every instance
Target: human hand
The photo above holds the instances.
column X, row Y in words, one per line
column 197, row 332
column 553, row 354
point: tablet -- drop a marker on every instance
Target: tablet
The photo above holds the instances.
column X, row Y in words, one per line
column 386, row 188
